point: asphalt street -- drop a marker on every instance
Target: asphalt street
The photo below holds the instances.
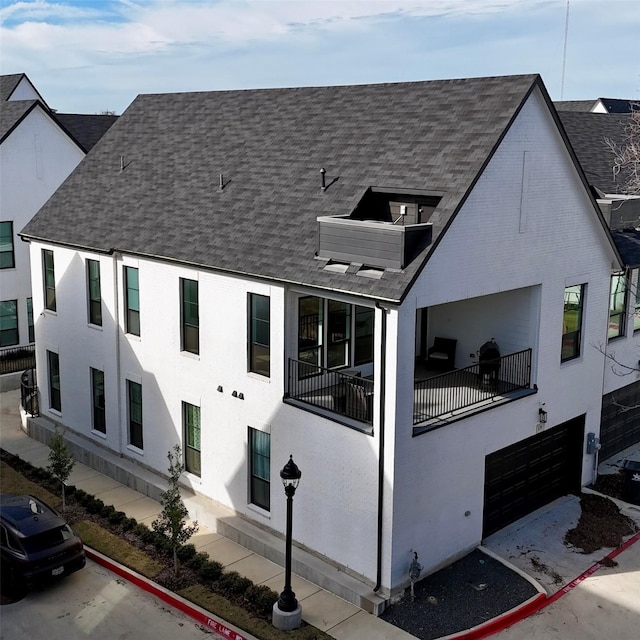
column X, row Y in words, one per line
column 94, row 603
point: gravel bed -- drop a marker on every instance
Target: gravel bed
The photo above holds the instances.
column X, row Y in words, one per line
column 468, row 592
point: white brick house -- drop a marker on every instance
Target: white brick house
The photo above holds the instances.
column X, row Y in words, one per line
column 250, row 307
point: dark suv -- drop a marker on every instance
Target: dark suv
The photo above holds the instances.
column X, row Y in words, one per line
column 35, row 541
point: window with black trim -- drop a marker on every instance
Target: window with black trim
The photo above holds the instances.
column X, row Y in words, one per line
column 260, row 468
column 53, row 370
column 191, row 426
column 132, row 301
column 94, row 292
column 259, row 334
column 617, row 305
column 572, row 321
column 7, row 253
column 636, row 299
column 9, row 323
column 134, row 395
column 97, row 401
column 190, row 332
column 30, row 324
column 49, row 280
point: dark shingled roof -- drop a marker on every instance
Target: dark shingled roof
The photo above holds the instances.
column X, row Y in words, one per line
column 270, row 145
column 86, row 129
column 628, row 243
column 587, row 133
column 574, row 105
column 11, row 113
column 8, row 85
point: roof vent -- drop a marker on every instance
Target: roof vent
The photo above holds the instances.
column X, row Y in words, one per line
column 323, row 172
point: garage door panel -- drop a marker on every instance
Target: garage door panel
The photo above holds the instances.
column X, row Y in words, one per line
column 532, row 473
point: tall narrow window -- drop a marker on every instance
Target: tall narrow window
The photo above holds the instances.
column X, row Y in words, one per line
column 97, row 394
column 190, row 316
column 32, row 333
column 310, row 333
column 363, row 348
column 260, row 468
column 191, row 424
column 49, row 280
column 132, row 301
column 259, row 334
column 53, row 366
column 572, row 321
column 636, row 298
column 8, row 323
column 134, row 393
column 7, row 255
column 617, row 305
column 339, row 333
column 94, row 293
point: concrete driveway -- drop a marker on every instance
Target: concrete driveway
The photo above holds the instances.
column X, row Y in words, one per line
column 605, row 605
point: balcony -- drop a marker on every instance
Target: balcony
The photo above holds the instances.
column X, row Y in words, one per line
column 437, row 400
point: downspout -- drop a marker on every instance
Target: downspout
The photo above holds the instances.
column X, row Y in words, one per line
column 383, row 367
column 116, row 323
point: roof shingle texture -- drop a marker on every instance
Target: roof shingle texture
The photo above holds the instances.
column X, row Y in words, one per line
column 270, row 145
column 588, row 133
column 86, row 129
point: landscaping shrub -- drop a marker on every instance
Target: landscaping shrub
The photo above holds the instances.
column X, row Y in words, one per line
column 117, row 517
column 197, row 561
column 107, row 510
column 162, row 543
column 129, row 524
column 233, row 584
column 81, row 495
column 94, row 505
column 210, row 571
column 186, row 552
column 141, row 529
column 261, row 599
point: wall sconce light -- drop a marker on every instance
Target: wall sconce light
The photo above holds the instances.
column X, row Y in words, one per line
column 220, row 388
column 241, row 396
column 234, row 393
column 542, row 416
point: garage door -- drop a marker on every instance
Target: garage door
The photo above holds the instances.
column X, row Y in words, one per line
column 532, row 473
column 620, row 425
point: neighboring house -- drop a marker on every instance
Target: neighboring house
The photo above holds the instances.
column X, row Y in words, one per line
column 589, row 133
column 38, row 150
column 599, row 105
column 254, row 274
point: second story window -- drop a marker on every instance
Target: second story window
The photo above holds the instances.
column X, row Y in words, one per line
column 30, row 325
column 259, row 334
column 8, row 323
column 190, row 334
column 49, row 280
column 132, row 301
column 97, row 393
column 7, row 256
column 95, row 296
column 572, row 321
column 617, row 305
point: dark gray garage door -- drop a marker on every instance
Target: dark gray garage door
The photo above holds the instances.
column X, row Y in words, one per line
column 620, row 425
column 531, row 473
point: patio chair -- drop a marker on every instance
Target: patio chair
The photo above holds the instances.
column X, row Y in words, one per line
column 442, row 355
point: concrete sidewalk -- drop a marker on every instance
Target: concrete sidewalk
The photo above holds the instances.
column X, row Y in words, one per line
column 320, row 608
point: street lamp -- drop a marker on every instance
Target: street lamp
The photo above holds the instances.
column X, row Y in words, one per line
column 287, row 613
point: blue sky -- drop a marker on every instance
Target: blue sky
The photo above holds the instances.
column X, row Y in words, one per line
column 86, row 56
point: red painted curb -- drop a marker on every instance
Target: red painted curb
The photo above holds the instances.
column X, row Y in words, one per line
column 537, row 603
column 169, row 598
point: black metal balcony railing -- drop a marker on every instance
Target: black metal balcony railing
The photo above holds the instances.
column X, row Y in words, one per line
column 29, row 392
column 463, row 388
column 346, row 394
column 14, row 359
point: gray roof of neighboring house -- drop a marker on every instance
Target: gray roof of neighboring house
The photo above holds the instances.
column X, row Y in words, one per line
column 11, row 113
column 270, row 144
column 588, row 133
column 583, row 106
column 612, row 105
column 86, row 129
column 628, row 243
column 8, row 84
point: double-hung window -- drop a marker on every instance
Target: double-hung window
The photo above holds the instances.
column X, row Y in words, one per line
column 190, row 334
column 260, row 468
column 636, row 299
column 94, row 293
column 134, row 395
column 97, row 401
column 53, row 370
column 334, row 334
column 132, row 301
column 191, row 425
column 49, row 280
column 574, row 297
column 7, row 255
column 259, row 334
column 8, row 323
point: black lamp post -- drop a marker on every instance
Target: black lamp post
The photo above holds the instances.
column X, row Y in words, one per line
column 290, row 475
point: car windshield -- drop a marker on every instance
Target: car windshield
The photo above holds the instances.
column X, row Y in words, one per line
column 46, row 539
